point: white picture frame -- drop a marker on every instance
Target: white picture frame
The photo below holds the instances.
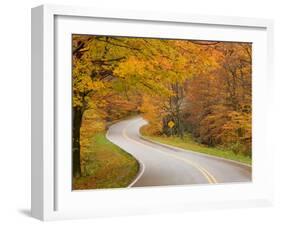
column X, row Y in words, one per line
column 52, row 199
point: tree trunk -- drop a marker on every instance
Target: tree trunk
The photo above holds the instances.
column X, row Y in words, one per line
column 77, row 114
column 180, row 126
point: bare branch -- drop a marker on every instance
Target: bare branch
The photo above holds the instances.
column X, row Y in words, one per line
column 205, row 43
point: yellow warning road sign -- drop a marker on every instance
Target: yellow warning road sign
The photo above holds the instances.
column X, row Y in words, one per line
column 171, row 124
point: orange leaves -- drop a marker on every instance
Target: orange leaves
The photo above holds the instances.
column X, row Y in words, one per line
column 234, row 128
column 204, row 85
column 219, row 102
column 164, row 63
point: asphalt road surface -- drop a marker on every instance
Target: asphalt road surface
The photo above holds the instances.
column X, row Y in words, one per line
column 164, row 165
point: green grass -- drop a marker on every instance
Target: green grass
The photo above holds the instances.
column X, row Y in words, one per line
column 190, row 144
column 105, row 165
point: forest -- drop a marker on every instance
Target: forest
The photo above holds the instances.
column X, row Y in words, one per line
column 195, row 90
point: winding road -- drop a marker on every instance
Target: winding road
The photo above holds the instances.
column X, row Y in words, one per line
column 166, row 165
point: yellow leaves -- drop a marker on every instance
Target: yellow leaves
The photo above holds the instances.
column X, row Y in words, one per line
column 151, row 111
column 97, row 85
column 81, row 83
column 210, row 83
column 77, row 101
column 131, row 67
column 164, row 63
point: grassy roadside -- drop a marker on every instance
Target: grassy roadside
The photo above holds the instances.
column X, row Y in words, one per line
column 105, row 165
column 190, row 144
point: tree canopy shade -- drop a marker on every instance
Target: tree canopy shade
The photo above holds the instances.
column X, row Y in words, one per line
column 199, row 87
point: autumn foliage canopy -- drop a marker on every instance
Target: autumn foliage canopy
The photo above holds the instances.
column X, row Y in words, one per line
column 203, row 87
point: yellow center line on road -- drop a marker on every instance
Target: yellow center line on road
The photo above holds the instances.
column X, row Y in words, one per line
column 210, row 178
